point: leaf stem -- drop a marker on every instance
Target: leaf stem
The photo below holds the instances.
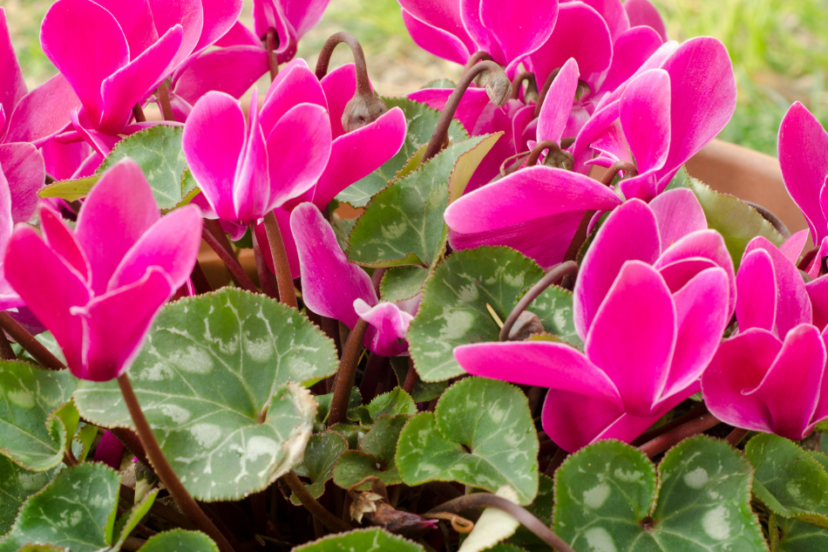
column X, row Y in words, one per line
column 554, row 276
column 313, row 506
column 735, row 437
column 236, row 271
column 487, row 500
column 673, row 437
column 163, row 469
column 284, row 279
column 410, row 377
column 272, row 43
column 29, row 343
column 346, row 374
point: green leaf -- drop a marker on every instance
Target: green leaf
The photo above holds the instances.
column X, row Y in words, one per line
column 322, row 452
column 42, row 548
column 402, row 282
column 735, row 220
column 607, row 498
column 212, row 379
column 454, row 310
column 342, row 229
column 423, row 391
column 481, row 434
column 70, row 190
column 821, row 458
column 421, row 121
column 157, row 150
column 541, row 508
column 83, row 441
column 681, row 180
column 16, row 485
column 789, row 481
column 353, row 433
column 403, row 224
column 799, row 536
column 129, row 520
column 362, row 540
column 76, row 511
column 32, row 432
column 324, row 402
column 376, row 455
column 392, row 403
column 179, row 540
column 494, row 525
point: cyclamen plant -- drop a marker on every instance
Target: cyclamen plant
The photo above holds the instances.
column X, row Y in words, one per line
column 528, row 302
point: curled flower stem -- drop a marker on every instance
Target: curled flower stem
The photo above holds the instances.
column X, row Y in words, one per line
column 476, row 57
column 545, row 91
column 313, row 506
column 31, row 345
column 265, row 278
column 555, row 275
column 6, row 351
column 673, row 437
column 771, row 217
column 363, row 84
column 272, row 42
column 539, row 148
column 615, row 168
column 498, row 87
column 236, row 271
column 163, row 469
column 138, row 112
column 518, row 159
column 284, row 280
column 518, row 81
column 487, row 500
column 346, row 374
column 166, row 106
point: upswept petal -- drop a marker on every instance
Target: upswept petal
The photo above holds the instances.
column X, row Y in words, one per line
column 219, row 18
column 443, row 14
column 298, row 149
column 231, row 70
column 471, row 12
column 136, row 21
column 590, row 132
column 517, row 34
column 678, row 213
column 642, row 12
column 84, row 58
column 629, row 233
column 239, row 35
column 117, row 212
column 802, row 146
column 818, row 293
column 435, row 40
column 702, row 315
column 25, row 171
column 189, row 14
column 62, row 160
column 645, row 118
column 213, row 162
column 821, row 411
column 112, row 340
column 630, row 50
column 12, row 85
column 539, row 363
column 792, row 247
column 387, row 327
column 43, row 112
column 171, row 245
column 655, row 61
column 756, row 284
column 63, row 242
column 6, row 222
column 297, row 86
column 556, row 107
column 472, row 105
column 612, row 11
column 303, row 16
column 330, row 284
column 790, row 388
column 267, row 14
column 252, row 177
column 49, row 288
column 677, row 274
column 339, row 87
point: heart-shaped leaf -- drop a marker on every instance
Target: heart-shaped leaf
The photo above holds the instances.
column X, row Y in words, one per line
column 456, row 301
column 32, row 433
column 213, row 380
column 376, row 456
column 403, row 224
column 16, row 485
column 322, row 452
column 608, row 498
column 481, row 434
column 789, row 481
column 799, row 536
column 179, row 540
column 70, row 190
column 362, row 540
column 402, row 282
column 324, row 402
column 392, row 403
column 421, row 121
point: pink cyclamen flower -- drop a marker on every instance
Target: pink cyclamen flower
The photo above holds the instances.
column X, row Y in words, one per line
column 8, row 297
column 338, row 289
column 771, row 376
column 650, row 314
column 114, row 53
column 98, row 287
column 456, row 29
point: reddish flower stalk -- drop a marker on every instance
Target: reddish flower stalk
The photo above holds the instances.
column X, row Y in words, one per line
column 236, row 271
column 272, row 58
column 287, row 294
column 29, row 343
column 675, row 436
column 346, row 374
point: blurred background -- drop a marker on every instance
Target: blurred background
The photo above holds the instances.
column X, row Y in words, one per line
column 779, row 50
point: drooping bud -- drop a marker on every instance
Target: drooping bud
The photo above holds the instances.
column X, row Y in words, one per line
column 526, row 325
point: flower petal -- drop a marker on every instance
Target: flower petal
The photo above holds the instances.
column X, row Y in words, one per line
column 612, row 11
column 388, row 326
column 645, row 119
column 297, row 86
column 230, row 70
column 435, row 40
column 283, row 218
column 556, row 107
column 43, row 112
column 793, row 246
column 472, row 105
column 305, row 15
column 12, row 85
column 189, row 14
column 136, row 21
column 219, row 18
column 678, row 213
column 251, row 190
column 63, row 241
column 25, row 171
column 441, row 14
column 756, row 284
column 339, row 87
column 630, row 50
column 517, row 34
column 642, row 12
column 818, row 293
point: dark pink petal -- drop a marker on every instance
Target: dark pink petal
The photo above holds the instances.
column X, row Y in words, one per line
column 434, row 40
column 100, row 142
column 213, row 162
column 676, row 275
column 793, row 246
column 339, row 86
column 251, row 185
column 116, row 213
column 330, row 284
column 230, row 70
column 739, row 366
column 790, row 389
column 359, row 153
column 816, row 263
column 702, row 315
column 630, row 50
column 298, row 85
column 112, row 340
column 303, row 16
column 517, row 34
column 558, row 103
column 387, row 327
column 25, row 171
column 591, row 132
column 189, row 14
column 85, row 58
column 136, row 20
column 298, row 148
column 542, row 364
column 703, row 99
column 645, row 118
column 642, row 12
column 524, row 128
column 171, row 245
column 678, row 213
column 12, row 85
column 110, row 451
column 802, row 146
column 793, row 306
column 818, row 293
column 43, row 112
column 131, row 84
column 63, row 242
column 267, row 14
column 62, row 160
column 219, row 18
column 443, row 14
column 633, row 336
column 613, row 13
column 579, row 33
column 756, row 284
column 49, row 288
column 6, row 222
column 629, row 233
column 821, row 412
column 471, row 11
column 239, row 35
